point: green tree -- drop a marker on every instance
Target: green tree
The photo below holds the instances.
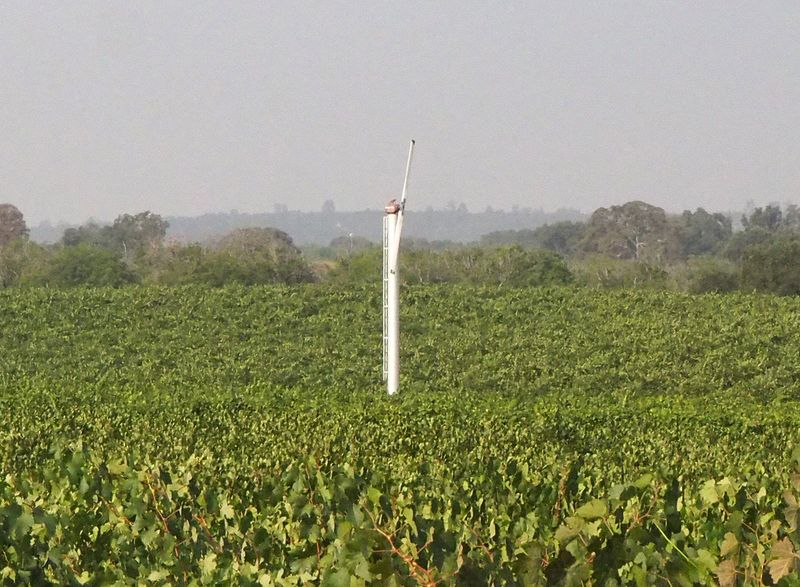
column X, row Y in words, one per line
column 175, row 264
column 707, row 274
column 509, row 266
column 605, row 272
column 773, row 267
column 363, row 267
column 90, row 233
column 129, row 236
column 744, row 240
column 525, row 237
column 256, row 255
column 349, row 244
column 701, row 232
column 769, row 218
column 518, row 267
column 248, row 256
column 561, row 237
column 20, row 260
column 85, row 264
column 413, row 243
column 791, row 218
column 132, row 235
column 635, row 230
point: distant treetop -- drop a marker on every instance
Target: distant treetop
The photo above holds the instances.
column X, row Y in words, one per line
column 12, row 224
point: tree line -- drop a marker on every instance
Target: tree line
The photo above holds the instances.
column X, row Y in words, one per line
column 632, row 245
column 639, row 245
column 133, row 250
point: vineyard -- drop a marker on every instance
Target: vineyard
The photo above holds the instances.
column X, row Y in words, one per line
column 541, row 436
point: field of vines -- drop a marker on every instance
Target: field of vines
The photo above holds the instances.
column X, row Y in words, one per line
column 242, row 436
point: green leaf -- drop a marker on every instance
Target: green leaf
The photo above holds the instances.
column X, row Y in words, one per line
column 729, row 544
column 571, row 529
column 116, row 467
column 158, row 576
column 596, row 508
column 21, row 524
column 643, row 481
column 362, row 570
column 340, row 578
column 705, row 560
column 374, row 495
column 8, row 573
column 149, row 536
column 226, row 510
column 709, row 492
column 208, row 563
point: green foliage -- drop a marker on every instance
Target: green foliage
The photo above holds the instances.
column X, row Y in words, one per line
column 173, row 264
column 254, row 256
column 90, row 233
column 604, row 272
column 739, row 244
column 241, row 435
column 247, row 256
column 510, row 266
column 133, row 235
column 84, row 265
column 81, row 519
column 635, row 230
column 561, row 237
column 129, row 236
column 773, row 267
column 769, row 218
column 707, row 274
column 518, row 267
column 20, row 261
column 701, row 232
column 361, row 268
column 347, row 245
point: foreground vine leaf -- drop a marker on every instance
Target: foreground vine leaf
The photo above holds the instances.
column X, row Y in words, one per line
column 784, row 559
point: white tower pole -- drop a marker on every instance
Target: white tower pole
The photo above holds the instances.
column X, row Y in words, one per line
column 392, row 310
column 392, row 227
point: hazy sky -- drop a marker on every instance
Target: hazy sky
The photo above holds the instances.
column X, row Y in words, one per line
column 189, row 107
